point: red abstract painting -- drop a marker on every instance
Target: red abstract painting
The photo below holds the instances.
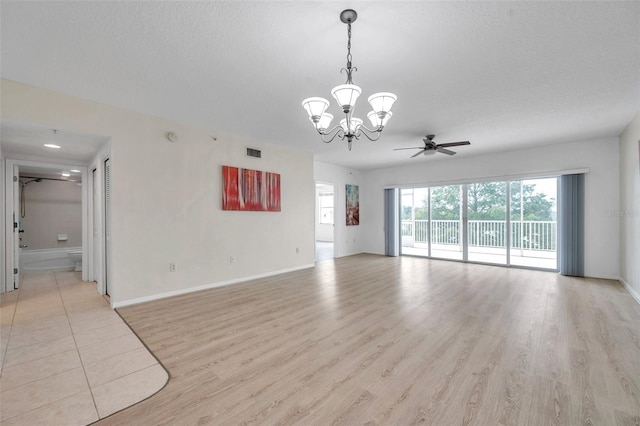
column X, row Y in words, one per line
column 250, row 190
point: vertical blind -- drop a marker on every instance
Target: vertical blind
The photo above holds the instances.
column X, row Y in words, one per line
column 391, row 222
column 571, row 225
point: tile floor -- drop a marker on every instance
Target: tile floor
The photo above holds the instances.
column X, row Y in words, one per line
column 324, row 250
column 67, row 356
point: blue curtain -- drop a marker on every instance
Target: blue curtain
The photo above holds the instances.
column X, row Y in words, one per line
column 391, row 222
column 571, row 225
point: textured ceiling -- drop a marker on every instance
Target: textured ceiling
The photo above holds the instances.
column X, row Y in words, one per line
column 503, row 75
column 28, row 140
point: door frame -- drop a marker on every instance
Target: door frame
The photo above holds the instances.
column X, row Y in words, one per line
column 105, row 232
column 94, row 222
column 317, row 213
column 12, row 168
column 96, row 218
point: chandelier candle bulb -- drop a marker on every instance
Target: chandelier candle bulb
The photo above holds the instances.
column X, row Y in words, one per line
column 382, row 102
column 379, row 119
column 315, row 107
column 324, row 122
column 346, row 95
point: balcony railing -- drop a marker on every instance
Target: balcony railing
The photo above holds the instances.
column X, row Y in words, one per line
column 526, row 235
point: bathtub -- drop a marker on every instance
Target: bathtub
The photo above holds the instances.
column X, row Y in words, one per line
column 45, row 260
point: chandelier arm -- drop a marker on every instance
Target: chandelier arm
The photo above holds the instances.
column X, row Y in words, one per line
column 375, row 134
column 376, row 130
column 336, row 130
column 372, row 139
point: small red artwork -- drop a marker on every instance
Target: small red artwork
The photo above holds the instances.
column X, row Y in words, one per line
column 250, row 190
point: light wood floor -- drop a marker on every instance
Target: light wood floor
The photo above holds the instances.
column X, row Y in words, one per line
column 395, row 341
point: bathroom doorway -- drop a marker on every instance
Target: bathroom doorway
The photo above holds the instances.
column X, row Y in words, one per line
column 47, row 224
column 34, row 157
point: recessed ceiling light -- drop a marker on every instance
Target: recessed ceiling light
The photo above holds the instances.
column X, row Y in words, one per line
column 74, row 171
column 51, row 145
column 66, row 174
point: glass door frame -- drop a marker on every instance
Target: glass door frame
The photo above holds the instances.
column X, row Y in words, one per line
column 464, row 220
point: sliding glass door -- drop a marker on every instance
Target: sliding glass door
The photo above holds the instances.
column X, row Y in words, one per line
column 487, row 222
column 503, row 222
column 446, row 222
column 534, row 230
column 415, row 221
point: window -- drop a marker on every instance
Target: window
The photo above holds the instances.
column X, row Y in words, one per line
column 325, row 203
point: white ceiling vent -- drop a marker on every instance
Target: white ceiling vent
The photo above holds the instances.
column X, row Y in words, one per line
column 254, row 152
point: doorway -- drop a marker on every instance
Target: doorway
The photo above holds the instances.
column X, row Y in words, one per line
column 45, row 218
column 35, row 151
column 325, row 225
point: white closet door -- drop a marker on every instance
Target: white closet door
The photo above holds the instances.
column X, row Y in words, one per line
column 107, row 223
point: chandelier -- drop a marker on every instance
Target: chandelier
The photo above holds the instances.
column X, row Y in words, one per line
column 346, row 95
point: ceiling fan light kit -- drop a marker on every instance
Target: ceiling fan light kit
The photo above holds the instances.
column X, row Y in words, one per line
column 346, row 96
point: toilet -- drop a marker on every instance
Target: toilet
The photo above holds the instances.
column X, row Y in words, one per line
column 76, row 258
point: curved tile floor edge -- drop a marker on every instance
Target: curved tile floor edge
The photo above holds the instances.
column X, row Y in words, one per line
column 67, row 355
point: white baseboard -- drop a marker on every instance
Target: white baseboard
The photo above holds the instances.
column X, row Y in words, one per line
column 130, row 302
column 603, row 276
column 630, row 290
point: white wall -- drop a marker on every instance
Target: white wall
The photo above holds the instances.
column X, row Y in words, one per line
column 52, row 208
column 601, row 195
column 348, row 239
column 629, row 212
column 2, row 226
column 166, row 199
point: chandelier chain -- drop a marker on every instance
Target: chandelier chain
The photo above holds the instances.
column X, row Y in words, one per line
column 349, row 69
column 349, row 45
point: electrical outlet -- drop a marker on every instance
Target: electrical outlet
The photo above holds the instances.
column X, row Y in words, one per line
column 173, row 267
column 297, row 249
column 232, row 259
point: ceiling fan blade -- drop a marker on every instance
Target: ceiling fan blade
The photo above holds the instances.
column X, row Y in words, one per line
column 446, row 151
column 416, row 154
column 413, row 147
column 455, row 143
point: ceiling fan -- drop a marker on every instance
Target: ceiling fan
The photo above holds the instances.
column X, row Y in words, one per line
column 430, row 147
